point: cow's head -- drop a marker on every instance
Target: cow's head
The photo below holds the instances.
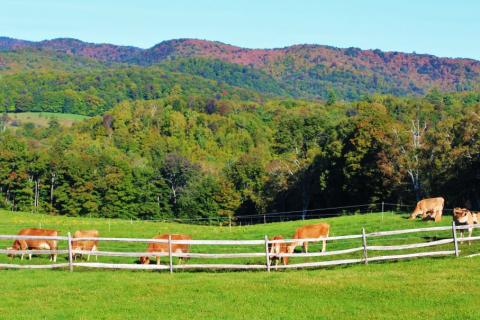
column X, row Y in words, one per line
column 144, row 260
column 460, row 214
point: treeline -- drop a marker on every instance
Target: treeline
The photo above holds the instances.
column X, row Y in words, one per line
column 168, row 158
column 94, row 91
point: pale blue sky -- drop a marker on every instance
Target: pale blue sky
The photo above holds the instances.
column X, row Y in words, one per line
column 440, row 27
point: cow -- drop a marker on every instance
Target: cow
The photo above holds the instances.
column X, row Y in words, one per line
column 274, row 249
column 36, row 244
column 163, row 247
column 464, row 217
column 85, row 245
column 432, row 207
column 314, row 231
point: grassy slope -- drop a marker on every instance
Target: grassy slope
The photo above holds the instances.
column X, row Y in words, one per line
column 41, row 119
column 423, row 288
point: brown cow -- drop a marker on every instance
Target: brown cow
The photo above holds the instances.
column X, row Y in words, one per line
column 163, row 247
column 278, row 248
column 464, row 217
column 432, row 207
column 36, row 244
column 85, row 245
column 319, row 231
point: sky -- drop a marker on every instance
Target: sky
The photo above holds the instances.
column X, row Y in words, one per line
column 439, row 27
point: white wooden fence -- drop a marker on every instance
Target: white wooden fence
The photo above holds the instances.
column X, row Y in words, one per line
column 265, row 255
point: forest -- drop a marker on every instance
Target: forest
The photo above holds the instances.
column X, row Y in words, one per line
column 190, row 153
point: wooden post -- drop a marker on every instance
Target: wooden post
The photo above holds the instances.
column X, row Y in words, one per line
column 266, row 253
column 264, row 219
column 383, row 206
column 170, row 252
column 70, row 253
column 364, row 240
column 108, row 225
column 230, row 223
column 454, row 234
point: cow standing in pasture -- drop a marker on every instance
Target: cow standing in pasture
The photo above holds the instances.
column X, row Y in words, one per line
column 319, row 231
column 163, row 247
column 36, row 244
column 274, row 249
column 432, row 207
column 464, row 217
column 85, row 245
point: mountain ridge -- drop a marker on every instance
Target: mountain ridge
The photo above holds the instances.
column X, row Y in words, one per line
column 311, row 69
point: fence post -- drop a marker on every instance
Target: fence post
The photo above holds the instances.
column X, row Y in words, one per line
column 364, row 240
column 454, row 234
column 266, row 253
column 170, row 252
column 264, row 219
column 383, row 206
column 70, row 253
column 230, row 223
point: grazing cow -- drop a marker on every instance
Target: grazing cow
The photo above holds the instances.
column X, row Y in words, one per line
column 319, row 231
column 278, row 248
column 36, row 244
column 85, row 245
column 432, row 207
column 163, row 247
column 464, row 217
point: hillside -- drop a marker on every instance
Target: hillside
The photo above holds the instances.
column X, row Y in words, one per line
column 311, row 71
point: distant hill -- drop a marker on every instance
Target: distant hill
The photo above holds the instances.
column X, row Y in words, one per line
column 308, row 71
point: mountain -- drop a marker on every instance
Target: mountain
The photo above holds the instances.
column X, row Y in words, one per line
column 307, row 71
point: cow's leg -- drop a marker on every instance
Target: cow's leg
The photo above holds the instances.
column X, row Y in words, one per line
column 305, row 247
column 461, row 236
column 470, row 230
column 158, row 260
column 424, row 215
column 23, row 247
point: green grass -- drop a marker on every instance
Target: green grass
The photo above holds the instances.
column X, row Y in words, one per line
column 441, row 288
column 41, row 119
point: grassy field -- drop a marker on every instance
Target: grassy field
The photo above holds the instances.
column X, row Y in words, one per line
column 41, row 119
column 442, row 288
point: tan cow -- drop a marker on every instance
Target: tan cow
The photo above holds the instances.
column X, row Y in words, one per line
column 278, row 248
column 319, row 231
column 163, row 247
column 432, row 207
column 85, row 245
column 463, row 217
column 37, row 244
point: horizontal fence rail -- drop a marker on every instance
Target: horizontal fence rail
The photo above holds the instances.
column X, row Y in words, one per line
column 267, row 256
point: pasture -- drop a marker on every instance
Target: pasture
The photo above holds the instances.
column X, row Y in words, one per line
column 441, row 288
column 41, row 119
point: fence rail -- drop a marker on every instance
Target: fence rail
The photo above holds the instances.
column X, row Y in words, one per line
column 264, row 254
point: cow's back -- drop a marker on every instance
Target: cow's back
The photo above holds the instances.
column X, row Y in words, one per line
column 431, row 203
column 181, row 247
column 312, row 231
column 85, row 244
column 163, row 247
column 39, row 243
column 38, row 232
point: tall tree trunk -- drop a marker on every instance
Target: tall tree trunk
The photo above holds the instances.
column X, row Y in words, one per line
column 52, row 187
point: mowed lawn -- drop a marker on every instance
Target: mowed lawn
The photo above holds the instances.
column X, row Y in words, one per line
column 445, row 288
column 426, row 288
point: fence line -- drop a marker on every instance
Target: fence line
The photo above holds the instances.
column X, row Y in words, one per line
column 363, row 238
